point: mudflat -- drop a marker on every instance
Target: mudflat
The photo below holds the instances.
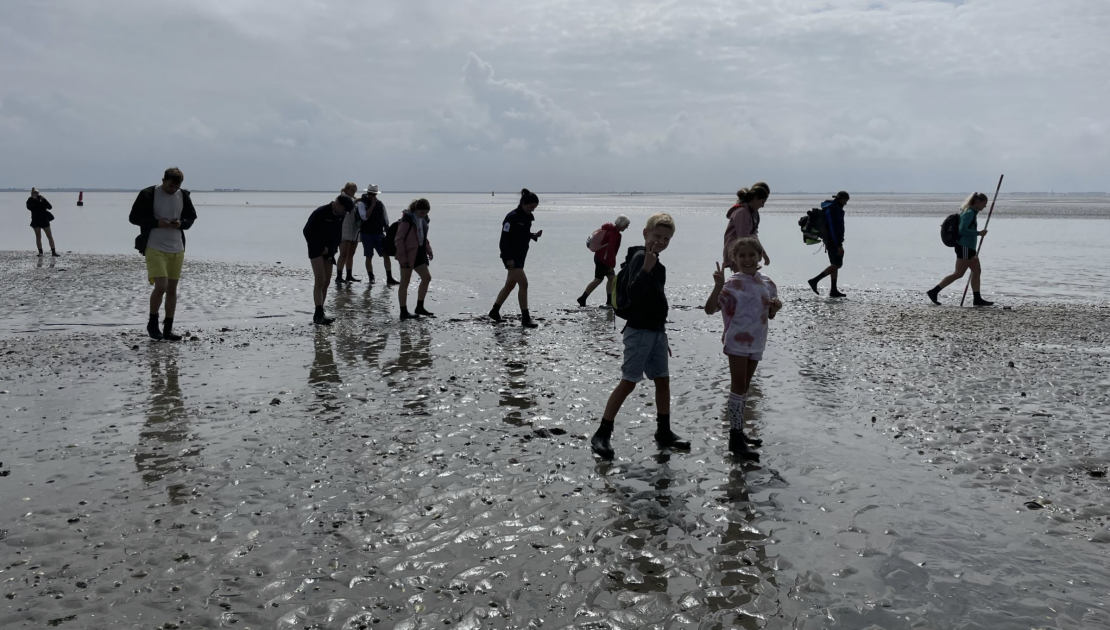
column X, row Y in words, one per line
column 923, row 466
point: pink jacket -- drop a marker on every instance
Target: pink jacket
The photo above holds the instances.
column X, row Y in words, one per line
column 740, row 224
column 608, row 253
column 408, row 241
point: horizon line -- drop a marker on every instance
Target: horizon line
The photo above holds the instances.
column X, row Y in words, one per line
column 557, row 192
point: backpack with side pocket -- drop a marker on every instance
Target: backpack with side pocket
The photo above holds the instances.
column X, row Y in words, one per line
column 596, row 242
column 950, row 230
column 620, row 300
column 810, row 224
column 391, row 239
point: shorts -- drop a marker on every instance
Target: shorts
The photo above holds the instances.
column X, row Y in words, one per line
column 836, row 259
column 645, row 354
column 964, row 253
column 517, row 264
column 373, row 243
column 601, row 270
column 160, row 264
column 751, row 356
column 351, row 226
column 421, row 257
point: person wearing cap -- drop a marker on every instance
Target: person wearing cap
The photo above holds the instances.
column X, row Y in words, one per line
column 374, row 223
column 833, row 210
column 40, row 219
column 605, row 259
column 348, row 245
column 323, row 233
column 163, row 213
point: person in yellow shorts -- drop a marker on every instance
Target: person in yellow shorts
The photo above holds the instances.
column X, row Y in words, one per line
column 163, row 213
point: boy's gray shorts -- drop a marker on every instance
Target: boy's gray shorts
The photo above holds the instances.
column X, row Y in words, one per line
column 645, row 354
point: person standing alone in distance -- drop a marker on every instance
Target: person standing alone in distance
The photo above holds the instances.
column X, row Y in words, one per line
column 163, row 213
column 833, row 210
column 40, row 219
column 516, row 234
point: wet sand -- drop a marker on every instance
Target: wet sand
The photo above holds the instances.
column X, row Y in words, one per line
column 924, row 467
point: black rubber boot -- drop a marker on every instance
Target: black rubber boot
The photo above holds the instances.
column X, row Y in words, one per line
column 582, row 300
column 495, row 313
column 738, row 445
column 40, row 253
column 319, row 319
column 390, row 280
column 813, row 285
column 420, row 310
column 599, row 443
column 152, row 328
column 371, row 279
column 933, row 294
column 979, row 301
column 351, row 278
column 666, row 438
column 526, row 320
column 167, row 330
column 835, row 293
column 55, row 254
column 406, row 315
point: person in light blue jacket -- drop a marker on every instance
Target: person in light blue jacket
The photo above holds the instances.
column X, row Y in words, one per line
column 966, row 256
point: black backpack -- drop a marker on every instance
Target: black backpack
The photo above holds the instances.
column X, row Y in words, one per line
column 950, row 230
column 619, row 300
column 810, row 225
column 391, row 238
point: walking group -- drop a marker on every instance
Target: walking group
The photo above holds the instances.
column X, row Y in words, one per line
column 747, row 299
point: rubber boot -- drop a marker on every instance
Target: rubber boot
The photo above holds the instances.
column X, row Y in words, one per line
column 55, row 254
column 406, row 315
column 979, row 301
column 526, row 320
column 738, row 445
column 599, row 443
column 420, row 310
column 152, row 328
column 495, row 313
column 389, row 279
column 933, row 294
column 666, row 438
column 582, row 300
column 167, row 330
column 351, row 278
column 813, row 285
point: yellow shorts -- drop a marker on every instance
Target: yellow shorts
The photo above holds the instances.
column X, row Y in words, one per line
column 160, row 264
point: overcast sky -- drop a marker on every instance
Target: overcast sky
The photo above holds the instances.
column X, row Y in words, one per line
column 587, row 95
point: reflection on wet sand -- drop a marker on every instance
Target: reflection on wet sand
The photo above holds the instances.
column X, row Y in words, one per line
column 414, row 361
column 323, row 375
column 514, row 390
column 159, row 451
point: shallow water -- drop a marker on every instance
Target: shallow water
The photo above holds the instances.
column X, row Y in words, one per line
column 436, row 473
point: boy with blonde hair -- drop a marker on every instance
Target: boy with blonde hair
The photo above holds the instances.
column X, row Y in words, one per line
column 645, row 337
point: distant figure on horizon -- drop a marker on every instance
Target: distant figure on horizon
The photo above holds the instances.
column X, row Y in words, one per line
column 833, row 210
column 642, row 301
column 163, row 213
column 516, row 232
column 966, row 256
column 348, row 244
column 40, row 220
column 375, row 222
column 606, row 248
column 323, row 232
column 414, row 253
column 747, row 301
column 743, row 219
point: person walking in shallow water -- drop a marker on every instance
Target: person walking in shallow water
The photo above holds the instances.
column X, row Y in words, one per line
column 605, row 258
column 40, row 219
column 966, row 256
column 516, row 234
column 833, row 210
column 414, row 253
column 743, row 218
column 163, row 213
column 323, row 233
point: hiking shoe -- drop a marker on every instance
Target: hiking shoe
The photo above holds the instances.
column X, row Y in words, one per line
column 353, row 279
column 55, row 254
column 527, row 322
column 420, row 310
column 582, row 301
column 406, row 315
column 813, row 285
column 738, row 445
column 599, row 444
column 981, row 302
column 933, row 294
column 391, row 282
column 495, row 315
column 836, row 294
column 668, row 439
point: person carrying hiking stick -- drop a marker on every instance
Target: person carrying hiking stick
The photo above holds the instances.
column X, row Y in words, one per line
column 966, row 256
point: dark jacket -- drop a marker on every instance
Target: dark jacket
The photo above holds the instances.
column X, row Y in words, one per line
column 324, row 229
column 645, row 290
column 142, row 214
column 516, row 232
column 40, row 211
column 377, row 221
column 607, row 255
column 834, row 218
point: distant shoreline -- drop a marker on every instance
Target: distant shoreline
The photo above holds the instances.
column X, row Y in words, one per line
column 557, row 192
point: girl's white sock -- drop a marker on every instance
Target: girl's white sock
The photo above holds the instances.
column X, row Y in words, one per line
column 736, row 411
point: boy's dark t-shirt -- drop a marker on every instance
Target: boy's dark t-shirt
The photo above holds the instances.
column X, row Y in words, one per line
column 649, row 303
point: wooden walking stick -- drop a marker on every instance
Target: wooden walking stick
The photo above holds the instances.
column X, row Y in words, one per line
column 984, row 237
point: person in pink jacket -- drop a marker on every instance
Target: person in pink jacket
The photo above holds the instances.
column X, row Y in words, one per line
column 743, row 219
column 414, row 253
column 605, row 260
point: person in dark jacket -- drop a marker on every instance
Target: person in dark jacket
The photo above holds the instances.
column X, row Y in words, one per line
column 375, row 222
column 163, row 213
column 348, row 243
column 414, row 253
column 516, row 234
column 323, row 232
column 40, row 219
column 966, row 256
column 605, row 259
column 833, row 210
column 645, row 338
